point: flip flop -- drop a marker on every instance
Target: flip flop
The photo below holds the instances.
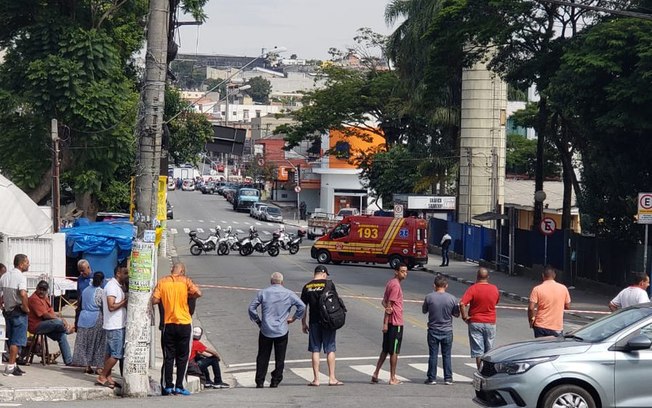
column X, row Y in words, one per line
column 336, row 383
column 105, row 384
column 395, row 383
column 116, row 385
column 374, row 380
column 312, row 384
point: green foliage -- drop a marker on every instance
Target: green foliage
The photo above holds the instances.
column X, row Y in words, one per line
column 521, row 157
column 260, row 89
column 603, row 86
column 189, row 131
column 390, row 172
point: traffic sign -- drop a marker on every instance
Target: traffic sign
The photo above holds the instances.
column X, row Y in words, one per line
column 261, row 162
column 645, row 208
column 547, row 226
column 398, row 211
column 297, row 189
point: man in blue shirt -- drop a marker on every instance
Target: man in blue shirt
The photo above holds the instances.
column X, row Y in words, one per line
column 275, row 304
column 83, row 281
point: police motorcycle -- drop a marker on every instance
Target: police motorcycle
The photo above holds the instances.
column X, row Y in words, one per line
column 254, row 243
column 289, row 241
column 229, row 242
column 204, row 245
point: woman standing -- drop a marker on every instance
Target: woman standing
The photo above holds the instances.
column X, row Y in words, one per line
column 90, row 344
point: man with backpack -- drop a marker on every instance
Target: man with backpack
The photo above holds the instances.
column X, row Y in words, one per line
column 327, row 314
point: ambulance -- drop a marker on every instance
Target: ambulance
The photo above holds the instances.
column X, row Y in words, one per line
column 367, row 238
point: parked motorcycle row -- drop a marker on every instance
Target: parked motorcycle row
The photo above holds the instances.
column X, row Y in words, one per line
column 223, row 245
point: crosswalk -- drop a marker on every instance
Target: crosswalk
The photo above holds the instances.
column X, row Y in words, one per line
column 243, row 230
column 410, row 373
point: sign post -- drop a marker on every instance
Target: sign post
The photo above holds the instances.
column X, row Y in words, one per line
column 398, row 211
column 645, row 217
column 547, row 227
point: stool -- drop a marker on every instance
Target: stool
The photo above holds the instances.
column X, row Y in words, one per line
column 40, row 341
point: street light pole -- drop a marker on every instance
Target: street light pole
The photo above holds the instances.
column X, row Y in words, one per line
column 56, row 201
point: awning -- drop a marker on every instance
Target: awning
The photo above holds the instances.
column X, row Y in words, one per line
column 20, row 216
column 490, row 216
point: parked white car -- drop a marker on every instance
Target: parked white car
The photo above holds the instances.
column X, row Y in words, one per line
column 270, row 213
column 254, row 211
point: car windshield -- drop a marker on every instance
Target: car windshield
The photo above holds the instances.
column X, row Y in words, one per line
column 273, row 211
column 252, row 193
column 609, row 325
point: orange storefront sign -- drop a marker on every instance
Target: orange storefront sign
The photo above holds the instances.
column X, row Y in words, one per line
column 346, row 146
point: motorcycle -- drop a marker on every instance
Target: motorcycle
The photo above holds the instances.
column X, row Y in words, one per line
column 203, row 245
column 291, row 242
column 254, row 243
column 228, row 242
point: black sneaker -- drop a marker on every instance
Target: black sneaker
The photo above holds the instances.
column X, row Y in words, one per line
column 12, row 373
column 221, row 385
column 20, row 370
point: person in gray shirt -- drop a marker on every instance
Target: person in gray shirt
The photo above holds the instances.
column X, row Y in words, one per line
column 275, row 303
column 441, row 307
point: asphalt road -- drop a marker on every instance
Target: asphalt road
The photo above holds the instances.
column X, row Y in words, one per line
column 229, row 283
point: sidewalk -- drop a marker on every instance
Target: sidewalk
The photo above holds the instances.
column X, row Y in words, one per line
column 584, row 303
column 60, row 383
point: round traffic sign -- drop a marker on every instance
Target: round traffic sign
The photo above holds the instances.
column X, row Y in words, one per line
column 547, row 226
column 297, row 189
column 645, row 201
column 398, row 208
column 261, row 162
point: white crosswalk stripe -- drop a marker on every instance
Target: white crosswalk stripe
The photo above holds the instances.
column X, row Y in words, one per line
column 270, row 224
column 472, row 365
column 173, row 230
column 306, row 374
column 294, row 375
column 223, row 222
column 267, row 233
column 235, row 222
column 239, row 231
column 247, row 223
column 383, row 375
column 456, row 377
column 212, row 230
column 200, row 230
column 186, row 230
column 200, row 220
column 259, row 223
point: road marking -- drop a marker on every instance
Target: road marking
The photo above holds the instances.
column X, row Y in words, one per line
column 200, row 220
column 307, row 374
column 186, row 230
column 212, row 230
column 266, row 232
column 247, row 379
column 259, row 223
column 200, row 230
column 239, row 231
column 369, row 370
column 247, row 223
column 342, row 359
column 472, row 365
column 456, row 377
column 223, row 222
column 173, row 230
column 8, row 404
column 270, row 224
column 236, row 222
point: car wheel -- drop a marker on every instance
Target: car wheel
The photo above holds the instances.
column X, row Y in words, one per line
column 395, row 261
column 323, row 256
column 570, row 396
column 195, row 249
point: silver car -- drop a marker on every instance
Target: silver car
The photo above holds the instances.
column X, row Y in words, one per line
column 604, row 364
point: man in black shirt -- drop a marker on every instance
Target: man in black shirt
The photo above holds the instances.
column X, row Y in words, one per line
column 318, row 336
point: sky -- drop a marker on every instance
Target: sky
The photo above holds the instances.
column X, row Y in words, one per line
column 307, row 28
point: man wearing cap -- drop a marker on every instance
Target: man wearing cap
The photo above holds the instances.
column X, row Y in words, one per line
column 319, row 337
column 43, row 320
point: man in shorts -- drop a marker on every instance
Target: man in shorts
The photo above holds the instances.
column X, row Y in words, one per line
column 481, row 299
column 318, row 336
column 392, row 325
column 114, row 310
column 13, row 290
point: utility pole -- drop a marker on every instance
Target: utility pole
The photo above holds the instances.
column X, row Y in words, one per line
column 142, row 273
column 56, row 201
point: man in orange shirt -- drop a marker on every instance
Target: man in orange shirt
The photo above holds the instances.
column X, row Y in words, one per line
column 173, row 292
column 547, row 303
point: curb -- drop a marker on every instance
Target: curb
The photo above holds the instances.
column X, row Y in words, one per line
column 53, row 394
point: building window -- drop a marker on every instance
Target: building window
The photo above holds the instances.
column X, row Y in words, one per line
column 257, row 113
column 245, row 114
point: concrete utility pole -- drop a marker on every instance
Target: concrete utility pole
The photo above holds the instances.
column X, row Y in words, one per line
column 142, row 273
column 56, row 201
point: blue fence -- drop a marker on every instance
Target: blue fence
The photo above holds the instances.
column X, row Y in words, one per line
column 474, row 242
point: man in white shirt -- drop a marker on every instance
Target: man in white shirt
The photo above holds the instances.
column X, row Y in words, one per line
column 114, row 307
column 13, row 292
column 445, row 244
column 632, row 295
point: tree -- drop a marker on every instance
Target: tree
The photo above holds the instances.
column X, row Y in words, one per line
column 603, row 88
column 189, row 131
column 72, row 61
column 260, row 89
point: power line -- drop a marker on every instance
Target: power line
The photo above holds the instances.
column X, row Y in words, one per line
column 624, row 13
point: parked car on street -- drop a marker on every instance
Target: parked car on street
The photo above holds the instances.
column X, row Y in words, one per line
column 254, row 211
column 270, row 213
column 170, row 210
column 604, row 364
column 207, row 187
column 188, row 185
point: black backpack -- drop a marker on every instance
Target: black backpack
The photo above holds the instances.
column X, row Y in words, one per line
column 332, row 312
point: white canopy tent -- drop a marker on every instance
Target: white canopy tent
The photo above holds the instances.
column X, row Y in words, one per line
column 19, row 215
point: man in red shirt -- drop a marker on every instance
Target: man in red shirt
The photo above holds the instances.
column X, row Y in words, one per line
column 392, row 324
column 481, row 299
column 42, row 320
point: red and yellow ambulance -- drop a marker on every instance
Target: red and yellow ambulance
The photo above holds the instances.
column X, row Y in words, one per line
column 366, row 238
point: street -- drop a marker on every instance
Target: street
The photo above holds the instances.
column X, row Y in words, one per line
column 229, row 283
